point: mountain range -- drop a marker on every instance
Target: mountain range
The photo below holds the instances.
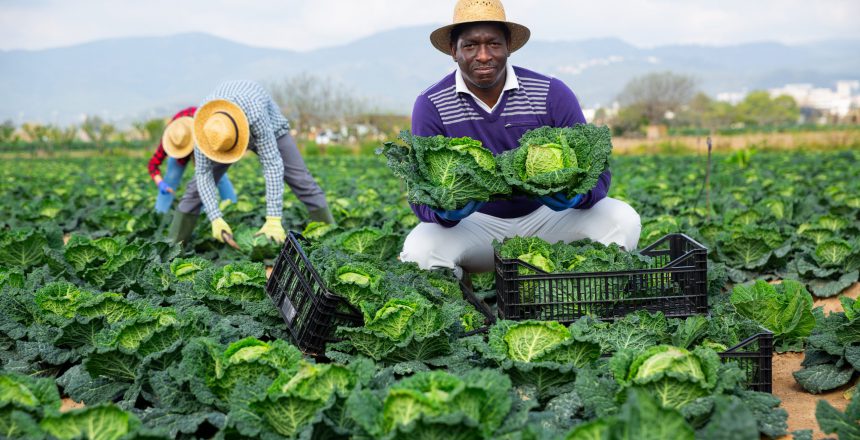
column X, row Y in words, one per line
column 133, row 78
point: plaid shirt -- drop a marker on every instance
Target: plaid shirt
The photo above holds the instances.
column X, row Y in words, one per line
column 267, row 124
column 159, row 155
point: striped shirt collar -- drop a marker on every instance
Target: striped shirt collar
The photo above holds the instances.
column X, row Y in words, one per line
column 511, row 83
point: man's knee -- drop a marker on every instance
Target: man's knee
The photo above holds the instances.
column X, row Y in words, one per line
column 628, row 222
column 418, row 246
column 427, row 246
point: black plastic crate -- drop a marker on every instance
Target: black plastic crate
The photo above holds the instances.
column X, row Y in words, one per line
column 311, row 311
column 676, row 284
column 754, row 356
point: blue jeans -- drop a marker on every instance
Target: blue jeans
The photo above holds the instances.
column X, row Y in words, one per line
column 173, row 177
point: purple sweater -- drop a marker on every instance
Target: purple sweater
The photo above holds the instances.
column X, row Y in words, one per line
column 540, row 100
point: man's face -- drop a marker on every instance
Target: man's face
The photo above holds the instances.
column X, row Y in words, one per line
column 481, row 51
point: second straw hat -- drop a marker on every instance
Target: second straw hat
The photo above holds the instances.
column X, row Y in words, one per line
column 221, row 131
column 178, row 137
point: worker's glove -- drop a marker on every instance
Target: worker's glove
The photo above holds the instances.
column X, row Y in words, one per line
column 273, row 230
column 560, row 202
column 164, row 188
column 219, row 226
column 460, row 214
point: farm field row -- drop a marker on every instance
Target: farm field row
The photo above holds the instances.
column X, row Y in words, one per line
column 158, row 341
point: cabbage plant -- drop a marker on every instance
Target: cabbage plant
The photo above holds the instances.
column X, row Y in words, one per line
column 553, row 160
column 445, row 173
column 674, row 376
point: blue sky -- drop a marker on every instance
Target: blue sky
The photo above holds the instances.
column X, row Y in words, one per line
column 309, row 24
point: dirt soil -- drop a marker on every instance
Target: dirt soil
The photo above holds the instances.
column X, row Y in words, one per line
column 69, row 404
column 799, row 403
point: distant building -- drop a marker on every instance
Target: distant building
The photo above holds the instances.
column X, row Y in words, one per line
column 837, row 102
column 600, row 111
column 733, row 98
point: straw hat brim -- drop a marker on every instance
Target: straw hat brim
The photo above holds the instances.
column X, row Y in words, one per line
column 179, row 151
column 243, row 132
column 441, row 38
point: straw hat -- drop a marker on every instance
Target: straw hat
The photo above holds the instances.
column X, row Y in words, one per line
column 470, row 11
column 178, row 137
column 221, row 131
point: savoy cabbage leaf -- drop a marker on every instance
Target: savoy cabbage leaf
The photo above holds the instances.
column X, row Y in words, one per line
column 445, row 173
column 785, row 309
column 845, row 425
column 553, row 160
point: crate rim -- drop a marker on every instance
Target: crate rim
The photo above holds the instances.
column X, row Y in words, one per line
column 297, row 238
column 542, row 275
column 763, row 332
column 662, row 239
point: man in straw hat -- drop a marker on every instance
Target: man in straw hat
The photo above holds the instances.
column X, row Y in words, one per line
column 177, row 144
column 235, row 117
column 488, row 99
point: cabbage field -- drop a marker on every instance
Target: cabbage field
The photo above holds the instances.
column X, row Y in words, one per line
column 156, row 341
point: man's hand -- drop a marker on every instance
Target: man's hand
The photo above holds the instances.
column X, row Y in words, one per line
column 164, row 188
column 460, row 214
column 219, row 226
column 273, row 230
column 560, row 202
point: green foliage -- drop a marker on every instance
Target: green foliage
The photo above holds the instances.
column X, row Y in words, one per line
column 295, row 400
column 540, row 341
column 641, row 417
column 113, row 315
column 255, row 247
column 551, row 160
column 675, row 377
column 436, row 404
column 216, row 372
column 445, row 173
column 184, row 269
column 410, row 328
column 543, row 354
column 35, row 396
column 832, row 356
column 102, row 422
column 845, row 425
column 375, row 243
column 22, row 248
column 785, row 309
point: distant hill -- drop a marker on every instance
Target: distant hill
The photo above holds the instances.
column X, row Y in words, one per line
column 131, row 78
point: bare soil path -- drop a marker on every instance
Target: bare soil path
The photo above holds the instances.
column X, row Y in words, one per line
column 799, row 403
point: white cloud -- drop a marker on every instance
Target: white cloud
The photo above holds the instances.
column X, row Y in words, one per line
column 309, row 24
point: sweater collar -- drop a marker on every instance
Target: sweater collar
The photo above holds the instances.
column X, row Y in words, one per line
column 511, row 82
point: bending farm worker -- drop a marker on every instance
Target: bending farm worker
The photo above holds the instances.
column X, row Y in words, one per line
column 177, row 144
column 488, row 99
column 239, row 116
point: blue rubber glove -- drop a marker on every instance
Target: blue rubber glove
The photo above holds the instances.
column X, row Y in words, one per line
column 559, row 202
column 164, row 188
column 459, row 214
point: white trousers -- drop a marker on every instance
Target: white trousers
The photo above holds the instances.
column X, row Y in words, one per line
column 468, row 246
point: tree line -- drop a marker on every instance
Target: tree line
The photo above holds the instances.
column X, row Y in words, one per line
column 313, row 104
column 673, row 100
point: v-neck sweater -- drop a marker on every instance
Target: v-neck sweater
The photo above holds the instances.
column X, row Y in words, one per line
column 539, row 101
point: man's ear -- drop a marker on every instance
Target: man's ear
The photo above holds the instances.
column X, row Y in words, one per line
column 454, row 51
